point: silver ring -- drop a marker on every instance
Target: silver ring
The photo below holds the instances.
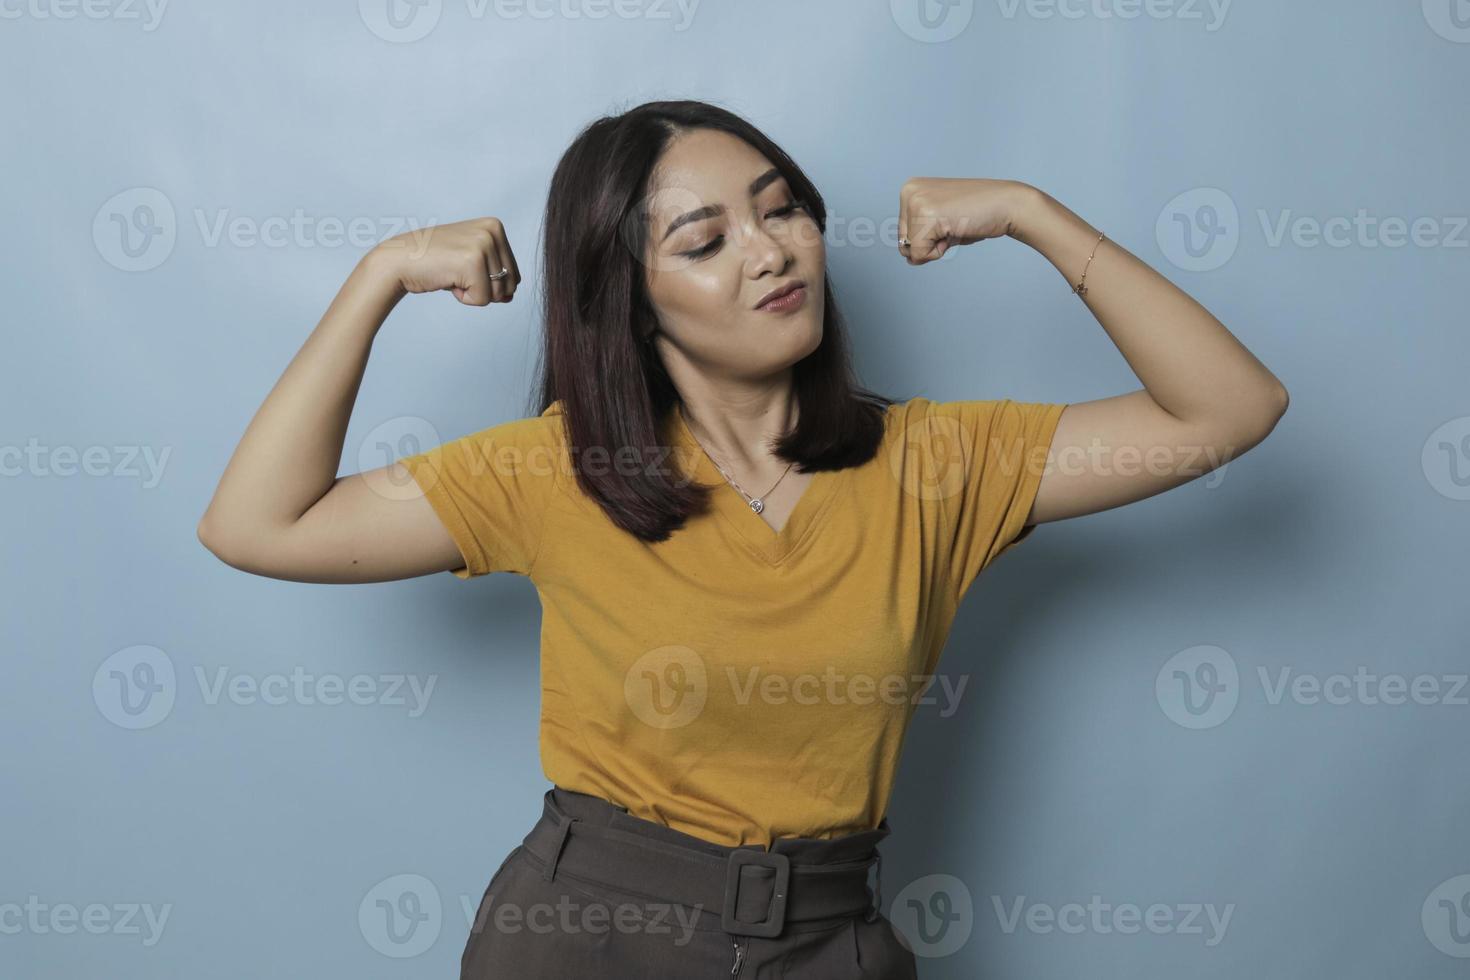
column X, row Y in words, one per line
column 502, row 274
column 902, row 242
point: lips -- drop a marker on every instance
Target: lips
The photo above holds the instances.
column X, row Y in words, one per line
column 780, row 291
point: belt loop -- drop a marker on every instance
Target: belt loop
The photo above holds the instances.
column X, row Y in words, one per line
column 561, row 839
column 877, row 908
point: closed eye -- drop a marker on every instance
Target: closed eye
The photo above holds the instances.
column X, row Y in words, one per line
column 714, row 244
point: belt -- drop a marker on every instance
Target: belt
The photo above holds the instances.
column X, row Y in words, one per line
column 757, row 891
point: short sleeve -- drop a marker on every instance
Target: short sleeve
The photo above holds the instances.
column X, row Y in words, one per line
column 492, row 490
column 1000, row 450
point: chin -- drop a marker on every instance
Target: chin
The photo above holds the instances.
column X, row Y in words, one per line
column 809, row 338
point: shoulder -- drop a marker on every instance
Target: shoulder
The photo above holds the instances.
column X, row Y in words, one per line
column 529, row 449
column 972, row 415
column 960, row 429
column 547, row 430
column 921, row 414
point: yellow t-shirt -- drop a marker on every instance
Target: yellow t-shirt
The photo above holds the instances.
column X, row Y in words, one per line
column 732, row 682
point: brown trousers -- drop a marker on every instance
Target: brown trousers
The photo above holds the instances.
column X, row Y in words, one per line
column 595, row 892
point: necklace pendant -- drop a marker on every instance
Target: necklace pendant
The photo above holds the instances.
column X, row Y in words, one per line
column 757, row 505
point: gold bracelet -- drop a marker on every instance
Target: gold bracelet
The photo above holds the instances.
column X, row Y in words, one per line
column 1080, row 289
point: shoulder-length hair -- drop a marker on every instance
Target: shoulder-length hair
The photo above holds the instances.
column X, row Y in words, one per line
column 613, row 388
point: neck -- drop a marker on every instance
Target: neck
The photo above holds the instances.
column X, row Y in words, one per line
column 738, row 433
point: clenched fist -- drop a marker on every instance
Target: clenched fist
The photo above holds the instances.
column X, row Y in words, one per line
column 471, row 259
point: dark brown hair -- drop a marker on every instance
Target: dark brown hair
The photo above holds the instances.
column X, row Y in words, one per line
column 613, row 387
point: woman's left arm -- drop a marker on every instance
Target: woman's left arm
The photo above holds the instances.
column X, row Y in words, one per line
column 1205, row 400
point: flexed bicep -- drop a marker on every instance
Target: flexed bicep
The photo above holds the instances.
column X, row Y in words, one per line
column 1125, row 448
column 374, row 526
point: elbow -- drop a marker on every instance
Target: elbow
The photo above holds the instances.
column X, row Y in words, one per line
column 1248, row 426
column 1267, row 416
column 243, row 548
column 209, row 536
column 1280, row 399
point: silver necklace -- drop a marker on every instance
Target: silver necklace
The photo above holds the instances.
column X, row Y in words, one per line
column 757, row 504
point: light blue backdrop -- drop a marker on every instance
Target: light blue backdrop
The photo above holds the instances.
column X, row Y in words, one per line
column 186, row 186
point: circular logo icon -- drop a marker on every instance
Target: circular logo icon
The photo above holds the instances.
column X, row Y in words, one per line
column 390, row 441
column 1448, row 19
column 1198, row 687
column 932, row 21
column 135, row 229
column 1446, row 459
column 931, row 462
column 1446, row 917
column 401, row 916
column 135, row 687
column 1199, row 230
column 935, row 914
column 400, row 21
column 667, row 687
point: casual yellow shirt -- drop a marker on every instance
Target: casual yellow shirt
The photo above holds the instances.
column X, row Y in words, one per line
column 733, row 682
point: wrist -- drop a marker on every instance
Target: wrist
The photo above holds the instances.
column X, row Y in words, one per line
column 379, row 270
column 1027, row 202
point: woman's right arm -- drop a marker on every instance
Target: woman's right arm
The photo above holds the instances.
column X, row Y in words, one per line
column 280, row 510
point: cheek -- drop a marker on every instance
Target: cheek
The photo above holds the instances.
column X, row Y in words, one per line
column 807, row 239
column 701, row 293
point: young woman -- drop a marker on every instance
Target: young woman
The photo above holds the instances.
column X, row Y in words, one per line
column 747, row 564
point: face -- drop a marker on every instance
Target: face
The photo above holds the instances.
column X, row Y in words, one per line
column 724, row 231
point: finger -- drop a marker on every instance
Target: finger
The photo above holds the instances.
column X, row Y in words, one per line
column 903, row 222
column 497, row 273
column 500, row 263
column 473, row 288
column 509, row 258
column 927, row 242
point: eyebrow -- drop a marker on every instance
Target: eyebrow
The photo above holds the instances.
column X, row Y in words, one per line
column 710, row 210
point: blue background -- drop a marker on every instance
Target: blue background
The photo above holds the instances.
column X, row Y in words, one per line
column 1329, row 831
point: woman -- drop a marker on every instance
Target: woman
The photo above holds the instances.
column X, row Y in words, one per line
column 747, row 564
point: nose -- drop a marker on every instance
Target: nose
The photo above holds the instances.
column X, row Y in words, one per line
column 763, row 249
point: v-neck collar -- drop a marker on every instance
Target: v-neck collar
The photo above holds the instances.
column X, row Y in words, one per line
column 760, row 538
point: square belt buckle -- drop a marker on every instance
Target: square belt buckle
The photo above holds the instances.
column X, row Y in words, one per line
column 775, row 918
